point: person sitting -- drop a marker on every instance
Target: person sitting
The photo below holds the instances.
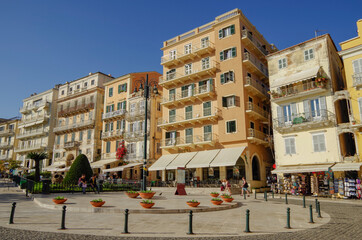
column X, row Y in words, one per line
column 93, row 183
column 82, row 182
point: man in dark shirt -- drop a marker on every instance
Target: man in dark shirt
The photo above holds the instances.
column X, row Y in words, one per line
column 93, row 183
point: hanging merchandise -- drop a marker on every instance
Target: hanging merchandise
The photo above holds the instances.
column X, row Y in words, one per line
column 359, row 188
column 350, row 188
column 340, row 187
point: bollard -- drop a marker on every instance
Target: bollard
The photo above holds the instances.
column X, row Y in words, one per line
column 303, row 201
column 190, row 223
column 125, row 230
column 316, row 205
column 244, row 194
column 27, row 191
column 311, row 214
column 273, row 194
column 62, row 225
column 247, row 229
column 265, row 196
column 11, row 220
column 286, row 198
column 288, row 219
column 254, row 193
column 319, row 210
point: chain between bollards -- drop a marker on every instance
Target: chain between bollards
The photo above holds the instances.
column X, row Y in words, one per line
column 288, row 219
column 190, row 223
column 62, row 225
column 311, row 214
column 286, row 198
column 303, row 201
column 319, row 210
column 125, row 230
column 11, row 220
column 247, row 229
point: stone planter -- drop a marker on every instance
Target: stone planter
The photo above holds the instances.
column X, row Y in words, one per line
column 147, row 195
column 216, row 202
column 132, row 195
column 214, row 195
column 97, row 204
column 59, row 201
column 228, row 199
column 147, row 205
column 193, row 204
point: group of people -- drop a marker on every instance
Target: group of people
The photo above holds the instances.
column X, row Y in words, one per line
column 83, row 183
column 226, row 186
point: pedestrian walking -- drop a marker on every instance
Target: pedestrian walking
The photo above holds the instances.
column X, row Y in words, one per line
column 228, row 186
column 223, row 185
column 82, row 182
column 245, row 186
column 93, row 183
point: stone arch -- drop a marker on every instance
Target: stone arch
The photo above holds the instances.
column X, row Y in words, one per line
column 255, row 168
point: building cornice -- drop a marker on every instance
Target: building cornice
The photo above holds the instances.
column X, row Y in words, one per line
column 351, row 52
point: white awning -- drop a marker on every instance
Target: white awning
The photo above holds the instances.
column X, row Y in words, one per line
column 121, row 168
column 53, row 167
column 296, row 77
column 100, row 163
column 181, row 160
column 61, row 169
column 227, row 157
column 203, row 159
column 302, row 168
column 341, row 167
column 162, row 162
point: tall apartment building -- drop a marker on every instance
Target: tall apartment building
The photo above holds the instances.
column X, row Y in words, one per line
column 123, row 120
column 79, row 120
column 215, row 106
column 36, row 127
column 8, row 132
column 310, row 112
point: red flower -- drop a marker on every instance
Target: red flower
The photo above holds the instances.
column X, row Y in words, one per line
column 121, row 151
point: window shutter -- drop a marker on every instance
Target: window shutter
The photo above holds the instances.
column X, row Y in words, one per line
column 111, row 127
column 221, row 56
column 322, row 144
column 118, row 106
column 280, row 116
column 293, row 107
column 231, row 74
column 193, row 89
column 233, row 52
column 292, row 146
column 220, row 34
column 224, row 102
column 119, row 88
column 228, row 127
column 112, row 108
column 106, row 128
column 232, row 29
column 222, row 78
column 315, row 143
column 306, row 106
column 287, row 146
column 323, row 106
column 118, row 122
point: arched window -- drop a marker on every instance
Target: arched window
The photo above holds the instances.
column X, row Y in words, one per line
column 256, row 168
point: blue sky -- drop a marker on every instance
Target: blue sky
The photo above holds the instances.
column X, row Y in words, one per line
column 43, row 43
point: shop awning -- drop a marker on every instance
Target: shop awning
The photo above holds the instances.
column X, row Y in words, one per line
column 341, row 167
column 100, row 163
column 121, row 168
column 181, row 160
column 227, row 157
column 297, row 77
column 203, row 159
column 53, row 167
column 162, row 162
column 302, row 168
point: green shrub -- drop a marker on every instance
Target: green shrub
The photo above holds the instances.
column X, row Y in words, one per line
column 193, row 201
column 132, row 192
column 147, row 191
column 214, row 193
column 147, row 201
column 46, row 174
column 97, row 200
column 59, row 198
column 216, row 199
column 79, row 166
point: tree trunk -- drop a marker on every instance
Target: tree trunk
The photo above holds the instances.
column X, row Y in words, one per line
column 37, row 171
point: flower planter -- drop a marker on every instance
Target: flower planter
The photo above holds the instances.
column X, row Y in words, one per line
column 214, row 195
column 216, row 202
column 228, row 199
column 147, row 195
column 59, row 201
column 97, row 204
column 193, row 204
column 147, row 205
column 132, row 195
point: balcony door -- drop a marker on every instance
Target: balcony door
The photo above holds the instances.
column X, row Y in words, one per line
column 170, row 138
column 188, row 112
column 207, row 108
column 189, row 135
column 207, row 133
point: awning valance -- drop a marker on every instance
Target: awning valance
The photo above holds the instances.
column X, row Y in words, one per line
column 203, row 159
column 121, row 168
column 227, row 157
column 100, row 163
column 341, row 167
column 296, row 77
column 162, row 162
column 302, row 168
column 181, row 160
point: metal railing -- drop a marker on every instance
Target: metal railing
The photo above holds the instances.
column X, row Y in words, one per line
column 30, row 147
column 75, row 109
column 7, row 132
column 34, row 105
column 30, row 133
column 205, row 89
column 116, row 113
column 74, row 125
column 138, row 112
column 287, row 91
column 28, row 120
column 322, row 115
column 258, row 85
column 205, row 113
column 255, row 108
column 4, row 157
column 6, row 145
column 252, row 133
column 357, row 79
column 114, row 133
column 262, row 68
column 190, row 139
column 246, row 34
column 71, row 144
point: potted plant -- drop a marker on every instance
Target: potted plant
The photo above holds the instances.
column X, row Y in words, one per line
column 193, row 203
column 148, row 194
column 147, row 203
column 214, row 194
column 132, row 194
column 59, row 200
column 97, row 202
column 227, row 198
column 216, row 201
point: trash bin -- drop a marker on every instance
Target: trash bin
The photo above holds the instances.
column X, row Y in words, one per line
column 46, row 185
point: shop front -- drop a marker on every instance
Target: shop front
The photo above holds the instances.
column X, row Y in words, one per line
column 347, row 181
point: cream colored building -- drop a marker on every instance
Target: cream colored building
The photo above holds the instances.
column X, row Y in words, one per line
column 36, row 127
column 8, row 140
column 79, row 120
column 215, row 105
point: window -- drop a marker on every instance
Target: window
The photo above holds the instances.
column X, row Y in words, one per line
column 108, row 147
column 205, row 42
column 89, row 134
column 207, row 133
column 187, row 90
column 85, row 84
column 205, row 86
column 319, row 144
column 92, row 82
column 171, row 74
column 207, row 108
column 171, row 94
column 62, row 92
column 122, row 88
column 231, row 126
column 70, row 89
column 117, row 145
column 58, row 139
column 188, row 68
column 227, row 77
column 228, row 53
column 106, row 127
column 228, row 101
column 188, row 112
column 360, row 108
column 357, row 65
column 252, row 125
column 227, row 31
column 189, row 135
column 170, row 138
column 286, row 113
column 132, row 107
column 173, row 54
column 80, row 135
column 282, row 63
column 111, row 127
column 188, row 48
column 289, row 145
column 308, row 54
column 172, row 115
column 65, row 138
column 205, row 62
column 111, row 92
column 78, row 86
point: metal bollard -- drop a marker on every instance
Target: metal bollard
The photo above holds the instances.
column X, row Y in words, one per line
column 11, row 220
column 316, row 205
column 27, row 189
column 303, row 201
column 62, row 225
column 319, row 210
column 311, row 214
column 286, row 198
column 190, row 223
column 254, row 193
column 244, row 194
column 273, row 194
column 247, row 229
column 125, row 230
column 288, row 219
column 265, row 196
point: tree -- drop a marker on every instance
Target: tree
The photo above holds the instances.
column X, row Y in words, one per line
column 37, row 157
column 79, row 166
column 13, row 164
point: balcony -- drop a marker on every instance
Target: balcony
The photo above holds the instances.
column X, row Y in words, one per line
column 197, row 51
column 251, row 43
column 74, row 127
column 7, row 132
column 302, row 89
column 5, row 157
column 35, row 106
column 257, row 137
column 82, row 108
column 255, row 66
column 174, row 79
column 31, row 147
column 134, row 136
column 71, row 145
column 32, row 133
column 357, row 80
column 198, row 141
column 256, row 112
column 186, row 96
column 113, row 115
column 115, row 134
column 32, row 121
column 190, row 118
column 304, row 121
column 6, row 145
column 256, row 88
column 137, row 114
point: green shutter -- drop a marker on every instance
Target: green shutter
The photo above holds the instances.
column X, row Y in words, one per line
column 119, row 88
column 233, row 52
column 222, row 56
column 232, row 29
column 224, row 103
column 118, row 106
column 118, row 123
column 222, row 78
column 220, row 34
column 112, row 107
